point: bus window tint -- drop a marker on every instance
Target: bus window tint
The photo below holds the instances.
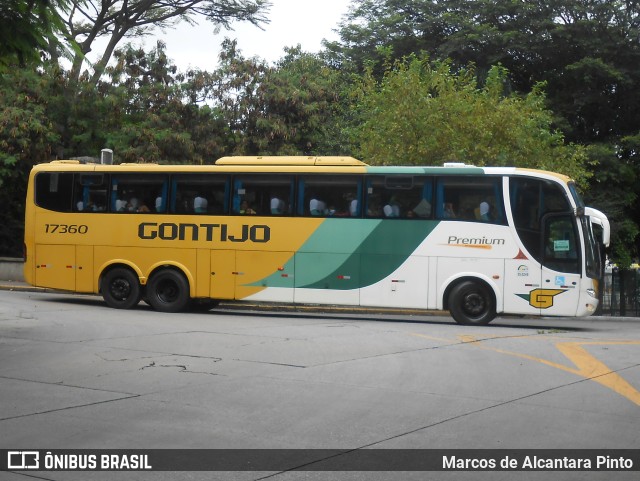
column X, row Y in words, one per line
column 200, row 194
column 530, row 200
column 329, row 196
column 53, row 191
column 90, row 193
column 470, row 199
column 561, row 243
column 399, row 197
column 138, row 193
column 262, row 194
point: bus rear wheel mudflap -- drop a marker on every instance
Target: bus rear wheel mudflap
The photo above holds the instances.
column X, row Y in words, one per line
column 168, row 291
column 120, row 288
column 472, row 302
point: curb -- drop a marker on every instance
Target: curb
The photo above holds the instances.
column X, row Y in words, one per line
column 18, row 286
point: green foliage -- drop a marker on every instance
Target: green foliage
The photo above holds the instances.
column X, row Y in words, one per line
column 116, row 21
column 423, row 113
column 25, row 139
column 301, row 100
column 27, row 28
column 291, row 108
column 153, row 113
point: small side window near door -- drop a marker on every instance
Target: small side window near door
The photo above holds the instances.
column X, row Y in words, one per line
column 561, row 251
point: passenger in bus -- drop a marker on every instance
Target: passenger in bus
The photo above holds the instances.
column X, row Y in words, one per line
column 483, row 212
column 120, row 205
column 200, row 205
column 423, row 209
column 317, row 207
column 159, row 206
column 277, row 206
column 132, row 205
column 448, row 212
column 353, row 208
column 392, row 209
column 136, row 206
column 245, row 209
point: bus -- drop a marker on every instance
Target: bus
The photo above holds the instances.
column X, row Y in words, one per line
column 477, row 241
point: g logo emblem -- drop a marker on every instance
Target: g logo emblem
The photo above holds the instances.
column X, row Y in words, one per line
column 543, row 298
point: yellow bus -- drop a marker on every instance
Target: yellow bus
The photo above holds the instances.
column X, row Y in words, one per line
column 321, row 230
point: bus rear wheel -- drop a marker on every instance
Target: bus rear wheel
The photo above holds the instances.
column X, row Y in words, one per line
column 472, row 302
column 120, row 288
column 168, row 291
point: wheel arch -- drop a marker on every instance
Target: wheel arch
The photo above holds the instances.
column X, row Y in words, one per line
column 453, row 281
column 115, row 264
column 176, row 266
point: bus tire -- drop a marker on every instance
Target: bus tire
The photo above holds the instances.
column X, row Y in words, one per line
column 120, row 288
column 168, row 291
column 472, row 302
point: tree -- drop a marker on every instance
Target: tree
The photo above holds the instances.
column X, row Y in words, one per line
column 586, row 51
column 89, row 20
column 613, row 189
column 28, row 27
column 300, row 103
column 425, row 114
column 155, row 117
column 291, row 108
column 26, row 136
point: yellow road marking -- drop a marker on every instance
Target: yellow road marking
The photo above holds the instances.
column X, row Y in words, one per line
column 588, row 366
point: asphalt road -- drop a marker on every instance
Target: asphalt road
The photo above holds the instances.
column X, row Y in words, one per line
column 75, row 374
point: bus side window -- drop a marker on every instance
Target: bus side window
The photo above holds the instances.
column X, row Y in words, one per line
column 90, row 193
column 408, row 197
column 53, row 191
column 560, row 243
column 137, row 193
column 470, row 199
column 200, row 194
column 263, row 194
column 329, row 196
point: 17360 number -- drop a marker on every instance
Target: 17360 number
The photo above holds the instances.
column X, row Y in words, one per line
column 66, row 228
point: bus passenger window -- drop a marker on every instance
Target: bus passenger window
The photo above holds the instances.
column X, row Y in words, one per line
column 477, row 199
column 90, row 193
column 199, row 194
column 137, row 193
column 268, row 194
column 53, row 191
column 407, row 197
column 329, row 196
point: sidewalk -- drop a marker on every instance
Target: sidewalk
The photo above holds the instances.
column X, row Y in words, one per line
column 22, row 286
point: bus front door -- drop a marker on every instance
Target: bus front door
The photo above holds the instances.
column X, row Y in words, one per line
column 561, row 266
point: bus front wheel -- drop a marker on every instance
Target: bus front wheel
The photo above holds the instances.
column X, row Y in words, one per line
column 168, row 291
column 472, row 302
column 121, row 288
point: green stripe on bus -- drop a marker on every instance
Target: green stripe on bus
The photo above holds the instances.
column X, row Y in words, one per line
column 381, row 252
column 352, row 254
